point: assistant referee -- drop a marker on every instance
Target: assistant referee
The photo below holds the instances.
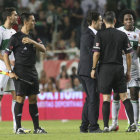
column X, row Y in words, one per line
column 108, row 48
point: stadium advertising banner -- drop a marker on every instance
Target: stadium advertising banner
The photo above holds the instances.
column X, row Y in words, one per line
column 54, row 106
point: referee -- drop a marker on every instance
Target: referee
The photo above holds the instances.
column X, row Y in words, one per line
column 108, row 48
column 24, row 49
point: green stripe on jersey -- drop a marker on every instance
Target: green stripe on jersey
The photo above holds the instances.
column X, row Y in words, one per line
column 134, row 44
column 4, row 44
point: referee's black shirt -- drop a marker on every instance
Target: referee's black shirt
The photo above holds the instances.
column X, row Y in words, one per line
column 25, row 54
column 111, row 43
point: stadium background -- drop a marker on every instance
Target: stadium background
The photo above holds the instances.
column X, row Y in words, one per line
column 59, row 24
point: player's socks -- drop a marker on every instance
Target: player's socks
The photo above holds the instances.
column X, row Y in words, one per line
column 115, row 111
column 18, row 114
column 33, row 109
column 129, row 110
column 106, row 113
column 13, row 113
column 135, row 109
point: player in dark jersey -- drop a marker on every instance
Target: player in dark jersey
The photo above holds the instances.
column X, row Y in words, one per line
column 108, row 48
column 24, row 48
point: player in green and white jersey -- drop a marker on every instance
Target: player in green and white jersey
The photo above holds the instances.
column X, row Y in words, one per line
column 6, row 31
column 128, row 18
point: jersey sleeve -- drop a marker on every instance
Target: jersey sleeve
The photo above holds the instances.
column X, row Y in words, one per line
column 97, row 44
column 10, row 45
column 127, row 46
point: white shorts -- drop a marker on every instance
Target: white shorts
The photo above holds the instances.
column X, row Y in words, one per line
column 134, row 83
column 6, row 84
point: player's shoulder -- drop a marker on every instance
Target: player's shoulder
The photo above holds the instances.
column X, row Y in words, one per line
column 137, row 30
column 2, row 28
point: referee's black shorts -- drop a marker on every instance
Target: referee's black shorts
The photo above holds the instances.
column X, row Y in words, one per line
column 111, row 76
column 29, row 74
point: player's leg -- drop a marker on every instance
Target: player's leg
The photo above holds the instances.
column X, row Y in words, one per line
column 33, row 109
column 134, row 91
column 18, row 113
column 11, row 88
column 106, row 111
column 115, row 112
column 3, row 83
column 129, row 111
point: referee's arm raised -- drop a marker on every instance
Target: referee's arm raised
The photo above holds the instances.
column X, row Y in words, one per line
column 39, row 45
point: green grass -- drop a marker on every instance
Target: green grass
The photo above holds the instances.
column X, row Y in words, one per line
column 58, row 130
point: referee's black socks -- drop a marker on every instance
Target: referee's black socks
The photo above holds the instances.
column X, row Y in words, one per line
column 33, row 109
column 18, row 114
column 129, row 110
column 106, row 112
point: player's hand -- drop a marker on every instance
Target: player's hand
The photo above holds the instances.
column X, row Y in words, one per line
column 92, row 74
column 128, row 77
column 13, row 75
column 27, row 40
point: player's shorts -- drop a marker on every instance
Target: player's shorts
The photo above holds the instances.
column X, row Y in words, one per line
column 134, row 83
column 6, row 84
column 111, row 76
column 29, row 74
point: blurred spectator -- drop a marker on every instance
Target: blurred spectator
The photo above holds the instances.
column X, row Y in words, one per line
column 34, row 6
column 41, row 26
column 50, row 18
column 77, row 85
column 76, row 14
column 43, row 81
column 50, row 88
column 62, row 46
column 22, row 3
column 73, row 75
column 64, row 79
column 74, row 52
column 69, row 3
column 65, row 30
column 101, row 6
column 68, row 87
column 88, row 5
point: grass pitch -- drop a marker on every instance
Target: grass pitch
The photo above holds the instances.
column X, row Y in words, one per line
column 58, row 130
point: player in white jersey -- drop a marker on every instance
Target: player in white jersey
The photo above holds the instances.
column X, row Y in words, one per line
column 128, row 17
column 6, row 84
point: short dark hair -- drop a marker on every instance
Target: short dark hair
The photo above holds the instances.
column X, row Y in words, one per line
column 109, row 16
column 7, row 12
column 92, row 15
column 25, row 16
column 125, row 12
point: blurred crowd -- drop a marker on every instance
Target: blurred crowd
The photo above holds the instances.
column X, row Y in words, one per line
column 62, row 83
column 59, row 24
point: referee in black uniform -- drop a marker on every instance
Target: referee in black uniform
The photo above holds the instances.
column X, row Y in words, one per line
column 108, row 48
column 24, row 49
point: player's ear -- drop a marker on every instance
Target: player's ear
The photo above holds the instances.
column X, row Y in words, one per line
column 114, row 20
